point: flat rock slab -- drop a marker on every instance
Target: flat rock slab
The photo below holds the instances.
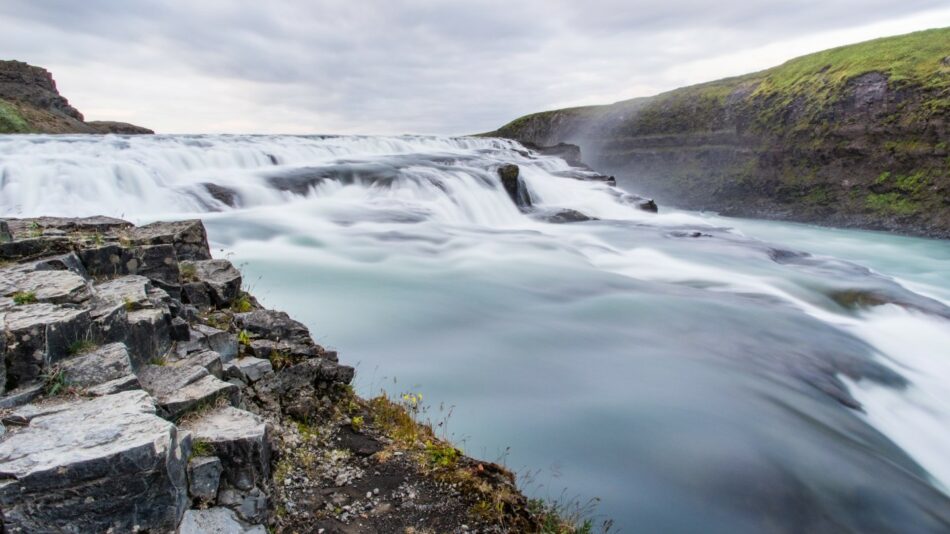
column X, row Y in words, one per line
column 178, row 390
column 93, row 465
column 57, row 287
column 104, row 364
column 208, row 359
column 254, row 368
column 240, row 439
column 130, row 289
column 216, row 521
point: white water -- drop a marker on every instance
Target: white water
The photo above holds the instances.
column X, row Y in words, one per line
column 671, row 353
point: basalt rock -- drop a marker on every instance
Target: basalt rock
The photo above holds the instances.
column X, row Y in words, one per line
column 513, row 184
column 92, row 466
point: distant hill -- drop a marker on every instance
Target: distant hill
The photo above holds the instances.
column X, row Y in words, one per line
column 852, row 136
column 30, row 103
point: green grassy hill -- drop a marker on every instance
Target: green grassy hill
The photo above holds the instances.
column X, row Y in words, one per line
column 852, row 136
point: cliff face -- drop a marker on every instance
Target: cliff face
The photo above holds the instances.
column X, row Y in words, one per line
column 30, row 103
column 855, row 136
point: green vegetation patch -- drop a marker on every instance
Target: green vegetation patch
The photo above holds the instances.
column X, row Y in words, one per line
column 11, row 121
column 891, row 203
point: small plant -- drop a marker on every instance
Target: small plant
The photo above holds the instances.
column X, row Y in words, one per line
column 244, row 338
column 201, row 448
column 242, row 304
column 129, row 304
column 159, row 361
column 188, row 272
column 97, row 239
column 357, row 423
column 24, row 297
column 35, row 229
column 280, row 359
column 441, row 454
column 55, row 383
column 80, row 346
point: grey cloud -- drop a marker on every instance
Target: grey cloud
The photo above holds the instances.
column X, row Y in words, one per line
column 426, row 66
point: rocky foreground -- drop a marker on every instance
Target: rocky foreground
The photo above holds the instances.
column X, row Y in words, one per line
column 145, row 391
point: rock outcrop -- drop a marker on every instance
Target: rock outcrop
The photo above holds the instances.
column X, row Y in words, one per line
column 854, row 136
column 31, row 103
column 142, row 390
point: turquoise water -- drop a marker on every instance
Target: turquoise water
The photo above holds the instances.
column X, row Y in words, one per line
column 692, row 384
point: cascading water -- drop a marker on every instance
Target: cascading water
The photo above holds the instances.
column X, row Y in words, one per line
column 690, row 375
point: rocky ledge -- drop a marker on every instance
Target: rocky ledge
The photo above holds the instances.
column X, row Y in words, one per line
column 145, row 391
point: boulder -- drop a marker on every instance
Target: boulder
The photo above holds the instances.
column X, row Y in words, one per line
column 147, row 335
column 240, row 439
column 514, row 185
column 204, row 476
column 223, row 281
column 105, row 364
column 567, row 216
column 298, row 389
column 250, row 506
column 216, row 521
column 156, row 262
column 179, row 390
column 189, row 238
column 224, row 195
column 253, row 368
column 273, row 325
column 106, row 464
column 38, row 335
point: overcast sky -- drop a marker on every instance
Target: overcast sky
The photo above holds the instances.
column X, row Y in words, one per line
column 393, row 66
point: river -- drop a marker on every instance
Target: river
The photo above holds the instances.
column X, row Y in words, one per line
column 694, row 373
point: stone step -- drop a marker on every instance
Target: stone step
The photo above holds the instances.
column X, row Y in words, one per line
column 240, row 439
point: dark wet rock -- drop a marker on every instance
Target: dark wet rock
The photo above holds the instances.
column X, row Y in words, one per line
column 240, row 439
column 63, row 262
column 222, row 281
column 204, row 477
column 94, row 465
column 38, row 335
column 361, row 444
column 693, row 234
column 586, row 175
column 198, row 294
column 147, row 334
column 178, row 329
column 103, row 364
column 567, row 216
column 5, row 234
column 514, row 185
column 224, row 195
column 157, row 262
column 88, row 225
column 189, row 238
column 216, row 521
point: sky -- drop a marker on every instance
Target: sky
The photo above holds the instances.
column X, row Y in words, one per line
column 411, row 66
